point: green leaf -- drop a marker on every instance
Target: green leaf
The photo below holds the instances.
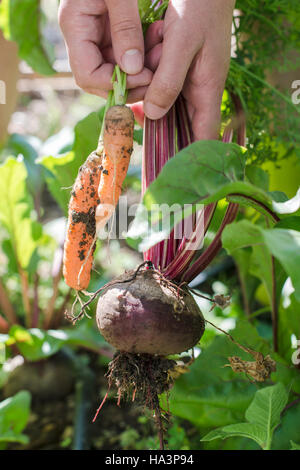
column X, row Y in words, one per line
column 27, row 147
column 60, row 177
column 292, row 222
column 236, row 241
column 20, row 21
column 35, row 344
column 205, row 171
column 283, row 244
column 61, row 170
column 202, row 173
column 15, row 212
column 266, row 408
column 210, row 394
column 258, row 177
column 289, row 429
column 263, row 416
column 14, row 414
column 250, row 430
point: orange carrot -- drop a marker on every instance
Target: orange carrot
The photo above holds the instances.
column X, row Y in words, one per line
column 117, row 149
column 95, row 194
column 81, row 230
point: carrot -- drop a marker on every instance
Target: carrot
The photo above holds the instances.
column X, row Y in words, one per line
column 117, row 149
column 80, row 240
column 95, row 195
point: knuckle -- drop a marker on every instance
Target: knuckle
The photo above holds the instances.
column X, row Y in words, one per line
column 168, row 92
column 81, row 81
column 124, row 26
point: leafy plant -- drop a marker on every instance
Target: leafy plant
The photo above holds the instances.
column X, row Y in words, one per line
column 14, row 414
column 16, row 16
column 263, row 242
column 263, row 416
column 267, row 39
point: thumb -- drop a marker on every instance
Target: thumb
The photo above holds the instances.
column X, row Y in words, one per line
column 126, row 35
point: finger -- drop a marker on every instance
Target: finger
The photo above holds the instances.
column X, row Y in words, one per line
column 108, row 55
column 127, row 35
column 97, row 92
column 154, row 35
column 136, row 95
column 204, row 88
column 170, row 75
column 139, row 80
column 205, row 111
column 88, row 66
column 153, row 57
column 206, row 123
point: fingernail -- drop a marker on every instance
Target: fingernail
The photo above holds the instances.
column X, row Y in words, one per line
column 153, row 111
column 132, row 61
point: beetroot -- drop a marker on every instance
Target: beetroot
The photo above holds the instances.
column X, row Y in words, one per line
column 143, row 313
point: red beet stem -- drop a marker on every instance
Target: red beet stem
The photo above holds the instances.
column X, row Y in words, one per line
column 162, row 139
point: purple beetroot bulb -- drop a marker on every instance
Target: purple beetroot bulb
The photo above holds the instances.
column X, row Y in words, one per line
column 149, row 316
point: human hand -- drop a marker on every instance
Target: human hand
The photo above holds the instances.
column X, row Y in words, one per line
column 193, row 57
column 99, row 34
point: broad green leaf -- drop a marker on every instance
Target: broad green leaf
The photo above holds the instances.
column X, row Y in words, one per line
column 266, row 408
column 16, row 212
column 236, row 240
column 263, row 416
column 35, row 344
column 250, row 430
column 86, row 135
column 20, row 21
column 14, row 414
column 292, row 222
column 205, row 172
column 27, row 147
column 202, row 173
column 288, row 429
column 60, row 177
column 248, row 282
column 278, row 196
column 283, row 244
column 61, row 170
column 258, row 177
column 285, row 374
